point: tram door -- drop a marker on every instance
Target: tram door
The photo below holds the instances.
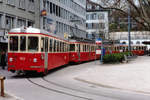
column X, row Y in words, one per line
column 78, row 51
column 46, row 54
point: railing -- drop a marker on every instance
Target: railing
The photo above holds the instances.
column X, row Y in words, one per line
column 2, row 78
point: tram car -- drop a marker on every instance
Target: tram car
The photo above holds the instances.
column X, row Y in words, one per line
column 135, row 49
column 31, row 49
column 82, row 51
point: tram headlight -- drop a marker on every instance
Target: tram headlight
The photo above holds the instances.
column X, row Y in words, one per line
column 35, row 60
column 10, row 59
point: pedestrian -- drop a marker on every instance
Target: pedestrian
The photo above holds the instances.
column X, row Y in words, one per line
column 3, row 59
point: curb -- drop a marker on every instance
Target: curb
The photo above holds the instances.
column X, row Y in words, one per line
column 10, row 96
column 110, row 87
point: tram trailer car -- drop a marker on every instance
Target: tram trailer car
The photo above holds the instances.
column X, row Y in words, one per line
column 135, row 49
column 35, row 50
column 80, row 51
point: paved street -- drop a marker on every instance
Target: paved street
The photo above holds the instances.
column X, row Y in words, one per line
column 86, row 81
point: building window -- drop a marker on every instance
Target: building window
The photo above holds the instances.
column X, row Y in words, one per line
column 93, row 16
column 54, row 8
column 89, row 25
column 22, row 4
column 57, row 11
column 138, row 42
column 48, row 6
column 44, row 3
column 51, row 8
column 9, row 22
column 124, row 42
column 89, row 6
column 30, row 23
column 31, row 5
column 0, row 21
column 87, row 17
column 11, row 2
column 101, row 16
column 21, row 22
column 102, row 25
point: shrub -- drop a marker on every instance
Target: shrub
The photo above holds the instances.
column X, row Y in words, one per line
column 116, row 57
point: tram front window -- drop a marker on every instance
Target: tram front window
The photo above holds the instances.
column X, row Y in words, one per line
column 13, row 43
column 32, row 44
column 22, row 43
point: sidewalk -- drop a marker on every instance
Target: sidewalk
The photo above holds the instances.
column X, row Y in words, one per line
column 8, row 96
column 132, row 76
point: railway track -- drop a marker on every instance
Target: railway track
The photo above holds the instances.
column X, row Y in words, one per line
column 68, row 88
column 56, row 90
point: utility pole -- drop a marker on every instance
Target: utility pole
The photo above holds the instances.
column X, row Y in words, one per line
column 102, row 47
column 129, row 28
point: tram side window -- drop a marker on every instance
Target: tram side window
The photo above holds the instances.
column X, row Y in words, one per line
column 85, row 48
column 58, row 47
column 72, row 47
column 33, row 43
column 42, row 44
column 54, row 45
column 82, row 48
column 65, row 47
column 61, row 46
column 13, row 42
column 46, row 44
column 139, row 48
column 22, row 43
column 50, row 45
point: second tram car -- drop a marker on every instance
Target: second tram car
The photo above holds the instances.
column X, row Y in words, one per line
column 80, row 51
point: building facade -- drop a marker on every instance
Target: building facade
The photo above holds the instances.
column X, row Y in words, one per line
column 63, row 17
column 15, row 13
column 97, row 22
column 137, row 37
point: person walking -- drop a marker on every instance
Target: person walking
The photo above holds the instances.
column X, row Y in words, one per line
column 3, row 59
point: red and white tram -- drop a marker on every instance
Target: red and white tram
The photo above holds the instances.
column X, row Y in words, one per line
column 81, row 51
column 31, row 49
column 135, row 49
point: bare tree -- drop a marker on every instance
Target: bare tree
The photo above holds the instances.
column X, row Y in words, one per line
column 139, row 9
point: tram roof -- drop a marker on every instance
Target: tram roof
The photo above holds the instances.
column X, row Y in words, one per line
column 28, row 30
column 33, row 30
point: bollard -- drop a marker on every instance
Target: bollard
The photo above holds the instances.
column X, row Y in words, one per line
column 2, row 85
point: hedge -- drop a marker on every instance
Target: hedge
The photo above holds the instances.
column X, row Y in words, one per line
column 115, row 57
